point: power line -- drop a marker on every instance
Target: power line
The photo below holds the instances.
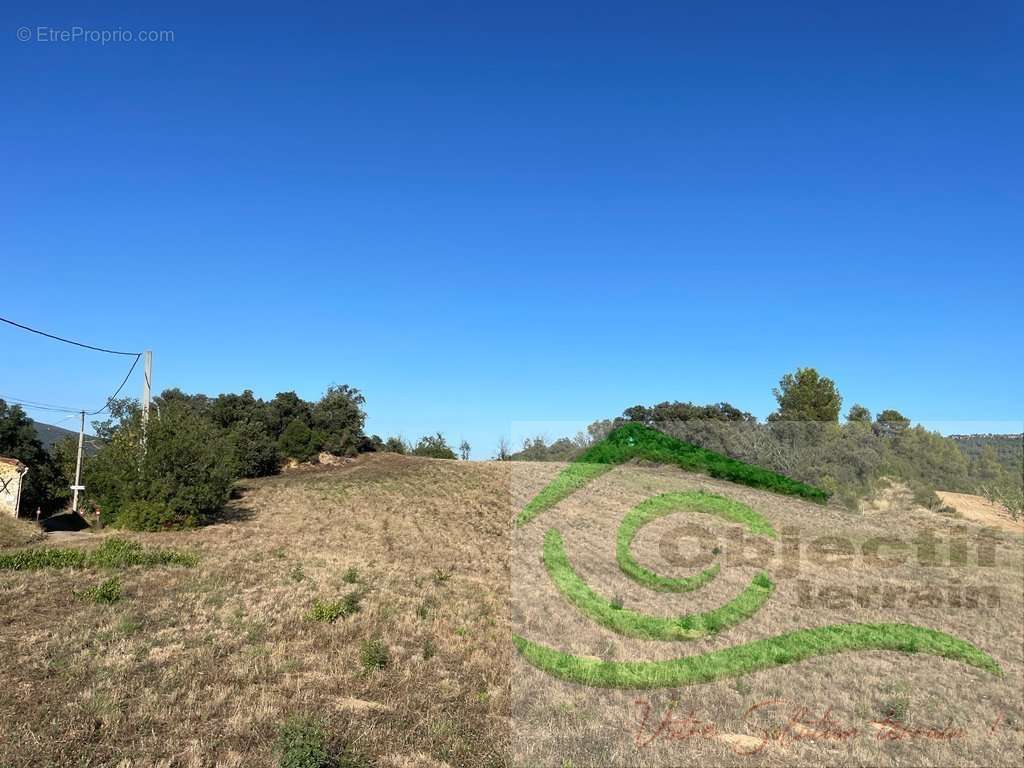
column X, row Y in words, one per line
column 62, row 409
column 69, row 341
column 118, row 392
column 39, row 406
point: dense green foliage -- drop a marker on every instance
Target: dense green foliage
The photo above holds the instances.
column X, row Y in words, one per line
column 644, row 626
column 750, row 657
column 805, row 395
column 433, row 447
column 114, row 553
column 263, row 433
column 175, row 472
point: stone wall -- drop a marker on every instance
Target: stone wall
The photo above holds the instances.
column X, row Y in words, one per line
column 10, row 485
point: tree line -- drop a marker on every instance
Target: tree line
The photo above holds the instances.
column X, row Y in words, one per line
column 804, row 439
column 176, row 469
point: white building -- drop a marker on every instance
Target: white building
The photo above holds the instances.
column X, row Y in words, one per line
column 12, row 472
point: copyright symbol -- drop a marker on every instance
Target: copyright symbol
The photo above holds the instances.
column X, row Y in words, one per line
column 24, row 34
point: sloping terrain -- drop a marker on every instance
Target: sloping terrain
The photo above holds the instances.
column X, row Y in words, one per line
column 416, row 561
column 978, row 509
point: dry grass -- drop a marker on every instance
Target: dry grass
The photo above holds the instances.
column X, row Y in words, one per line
column 981, row 510
column 17, row 533
column 201, row 667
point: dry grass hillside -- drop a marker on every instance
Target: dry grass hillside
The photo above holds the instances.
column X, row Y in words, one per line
column 201, row 666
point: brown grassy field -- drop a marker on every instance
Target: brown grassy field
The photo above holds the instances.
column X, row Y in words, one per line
column 200, row 667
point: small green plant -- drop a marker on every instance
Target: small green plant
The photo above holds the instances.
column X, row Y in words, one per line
column 296, row 573
column 428, row 649
column 351, row 576
column 896, row 703
column 373, row 654
column 279, row 553
column 423, row 610
column 129, row 626
column 302, row 743
column 104, row 593
column 616, row 603
column 441, row 575
column 329, row 612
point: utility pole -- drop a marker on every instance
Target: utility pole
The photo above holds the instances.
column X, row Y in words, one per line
column 147, row 385
column 78, row 467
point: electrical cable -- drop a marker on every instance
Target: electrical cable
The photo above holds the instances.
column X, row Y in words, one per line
column 67, row 341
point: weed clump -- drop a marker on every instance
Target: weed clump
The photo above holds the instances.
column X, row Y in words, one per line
column 105, row 593
column 114, row 554
column 302, row 743
column 373, row 654
column 330, row 611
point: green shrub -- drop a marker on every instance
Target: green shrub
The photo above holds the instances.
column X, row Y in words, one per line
column 302, row 743
column 373, row 654
column 297, row 442
column 926, row 497
column 107, row 592
column 429, row 650
column 329, row 612
column 351, row 576
column 255, row 452
column 434, row 447
column 149, row 516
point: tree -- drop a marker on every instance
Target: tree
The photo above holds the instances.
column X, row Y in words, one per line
column 805, row 396
column 890, row 423
column 255, row 451
column 297, row 442
column 503, row 453
column 175, row 473
column 434, row 447
column 285, row 408
column 676, row 411
column 395, row 445
column 858, row 414
column 339, row 419
column 464, row 450
column 44, row 484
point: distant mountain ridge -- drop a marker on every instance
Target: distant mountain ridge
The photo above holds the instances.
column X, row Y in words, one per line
column 49, row 435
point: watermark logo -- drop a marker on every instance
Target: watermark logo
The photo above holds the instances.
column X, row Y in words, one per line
column 90, row 36
column 590, row 612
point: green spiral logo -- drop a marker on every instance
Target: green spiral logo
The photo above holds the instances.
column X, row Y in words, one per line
column 636, row 441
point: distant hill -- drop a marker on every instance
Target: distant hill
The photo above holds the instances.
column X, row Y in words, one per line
column 48, row 435
column 1009, row 448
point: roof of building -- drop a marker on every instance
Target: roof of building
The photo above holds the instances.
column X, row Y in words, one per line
column 15, row 462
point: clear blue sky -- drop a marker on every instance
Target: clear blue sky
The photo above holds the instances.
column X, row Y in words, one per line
column 480, row 215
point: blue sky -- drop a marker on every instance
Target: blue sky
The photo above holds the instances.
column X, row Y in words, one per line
column 481, row 215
